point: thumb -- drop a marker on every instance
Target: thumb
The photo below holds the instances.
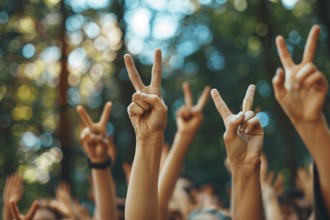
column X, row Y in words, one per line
column 155, row 102
column 232, row 125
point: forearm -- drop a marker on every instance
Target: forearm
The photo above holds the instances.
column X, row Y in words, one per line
column 105, row 195
column 247, row 193
column 142, row 195
column 316, row 137
column 171, row 170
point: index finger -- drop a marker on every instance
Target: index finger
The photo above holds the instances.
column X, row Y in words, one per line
column 188, row 99
column 156, row 76
column 249, row 97
column 311, row 43
column 84, row 116
column 203, row 98
column 283, row 52
column 220, row 104
column 32, row 211
column 133, row 73
column 106, row 114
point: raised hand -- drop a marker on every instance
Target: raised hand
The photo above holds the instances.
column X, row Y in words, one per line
column 13, row 191
column 18, row 216
column 243, row 139
column 96, row 146
column 66, row 205
column 304, row 182
column 271, row 190
column 244, row 134
column 148, row 112
column 189, row 117
column 300, row 88
column 93, row 137
column 63, row 201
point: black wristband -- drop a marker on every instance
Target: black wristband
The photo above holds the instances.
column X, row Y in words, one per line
column 104, row 165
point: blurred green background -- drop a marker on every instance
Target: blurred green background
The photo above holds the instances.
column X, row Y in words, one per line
column 57, row 54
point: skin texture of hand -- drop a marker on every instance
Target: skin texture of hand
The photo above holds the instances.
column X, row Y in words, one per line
column 96, row 146
column 188, row 119
column 301, row 88
column 148, row 114
column 18, row 216
column 244, row 134
column 301, row 92
column 13, row 191
column 243, row 139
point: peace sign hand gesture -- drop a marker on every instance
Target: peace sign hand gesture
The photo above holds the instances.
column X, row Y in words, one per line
column 244, row 135
column 148, row 112
column 189, row 117
column 93, row 135
column 18, row 216
column 300, row 88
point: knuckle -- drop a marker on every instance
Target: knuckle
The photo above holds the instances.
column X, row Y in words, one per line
column 135, row 96
column 129, row 108
column 231, row 122
column 310, row 65
column 274, row 80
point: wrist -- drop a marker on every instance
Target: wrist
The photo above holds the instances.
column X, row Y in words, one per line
column 99, row 159
column 319, row 119
column 245, row 170
column 186, row 133
column 105, row 164
column 150, row 138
